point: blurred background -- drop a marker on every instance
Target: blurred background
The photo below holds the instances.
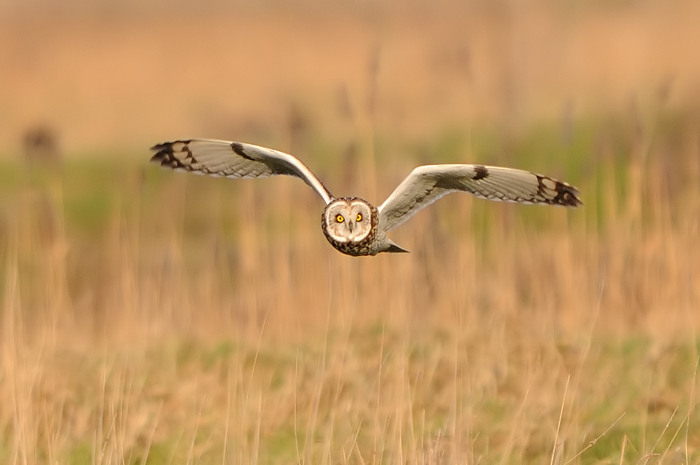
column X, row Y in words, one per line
column 120, row 75
column 155, row 317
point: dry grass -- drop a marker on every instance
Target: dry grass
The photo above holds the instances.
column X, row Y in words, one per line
column 152, row 317
column 204, row 321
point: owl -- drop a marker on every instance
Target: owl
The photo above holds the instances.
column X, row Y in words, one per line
column 350, row 224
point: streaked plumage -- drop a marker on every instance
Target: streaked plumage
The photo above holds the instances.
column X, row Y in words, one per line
column 352, row 225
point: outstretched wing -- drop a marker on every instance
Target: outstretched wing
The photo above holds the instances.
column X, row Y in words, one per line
column 233, row 160
column 428, row 183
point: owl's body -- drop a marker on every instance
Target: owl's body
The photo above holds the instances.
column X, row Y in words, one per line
column 350, row 224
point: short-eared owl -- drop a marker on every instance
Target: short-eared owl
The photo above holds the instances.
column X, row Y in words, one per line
column 353, row 225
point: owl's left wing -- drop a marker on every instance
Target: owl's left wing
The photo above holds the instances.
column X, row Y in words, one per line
column 428, row 183
column 234, row 160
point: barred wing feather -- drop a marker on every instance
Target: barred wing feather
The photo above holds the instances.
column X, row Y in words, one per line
column 428, row 183
column 234, row 160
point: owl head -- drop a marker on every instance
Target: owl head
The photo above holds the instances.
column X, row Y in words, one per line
column 349, row 224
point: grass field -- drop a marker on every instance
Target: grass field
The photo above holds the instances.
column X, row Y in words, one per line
column 151, row 317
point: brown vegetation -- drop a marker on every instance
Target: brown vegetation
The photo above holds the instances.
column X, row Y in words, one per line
column 155, row 317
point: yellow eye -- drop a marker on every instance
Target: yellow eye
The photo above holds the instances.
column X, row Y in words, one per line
column 339, row 218
column 359, row 217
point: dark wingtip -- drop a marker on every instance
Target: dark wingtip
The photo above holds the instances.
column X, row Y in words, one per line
column 568, row 196
column 165, row 153
column 553, row 192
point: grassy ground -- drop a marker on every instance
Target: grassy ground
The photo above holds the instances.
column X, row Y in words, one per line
column 153, row 317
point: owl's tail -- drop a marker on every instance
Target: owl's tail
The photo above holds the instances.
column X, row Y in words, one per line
column 394, row 248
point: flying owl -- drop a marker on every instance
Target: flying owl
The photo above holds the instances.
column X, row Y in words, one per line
column 352, row 225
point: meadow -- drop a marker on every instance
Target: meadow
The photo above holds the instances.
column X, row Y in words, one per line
column 152, row 317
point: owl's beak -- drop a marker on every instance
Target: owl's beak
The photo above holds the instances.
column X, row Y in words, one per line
column 351, row 225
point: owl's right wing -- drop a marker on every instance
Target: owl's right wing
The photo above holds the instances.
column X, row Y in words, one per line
column 428, row 183
column 233, row 160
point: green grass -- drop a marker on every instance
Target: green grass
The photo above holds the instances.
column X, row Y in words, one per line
column 154, row 317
